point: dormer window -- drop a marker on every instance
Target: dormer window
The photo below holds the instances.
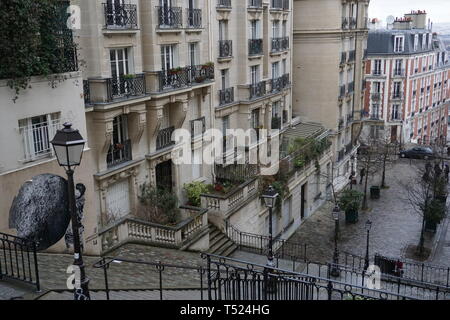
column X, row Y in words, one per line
column 416, row 42
column 399, row 42
column 424, row 41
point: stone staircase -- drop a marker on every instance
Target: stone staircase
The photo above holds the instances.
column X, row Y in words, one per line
column 219, row 243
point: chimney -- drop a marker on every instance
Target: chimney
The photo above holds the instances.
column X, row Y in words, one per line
column 418, row 18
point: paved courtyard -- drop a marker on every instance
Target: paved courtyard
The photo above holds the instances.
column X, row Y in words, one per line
column 395, row 225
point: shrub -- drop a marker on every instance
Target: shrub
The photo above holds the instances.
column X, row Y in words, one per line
column 350, row 200
column 193, row 192
column 158, row 205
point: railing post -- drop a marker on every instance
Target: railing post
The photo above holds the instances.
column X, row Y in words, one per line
column 36, row 268
column 448, row 275
column 160, row 269
column 329, row 288
column 105, row 274
column 423, row 266
column 208, row 261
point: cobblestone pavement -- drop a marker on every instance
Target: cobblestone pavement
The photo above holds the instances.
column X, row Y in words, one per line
column 10, row 291
column 394, row 224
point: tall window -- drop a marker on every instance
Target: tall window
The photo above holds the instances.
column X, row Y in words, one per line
column 397, row 89
column 194, row 53
column 224, row 77
column 169, row 57
column 254, row 74
column 119, row 67
column 255, row 118
column 275, row 70
column 416, row 42
column 396, row 112
column 276, row 29
column 223, row 30
column 399, row 43
column 398, row 67
column 255, row 29
column 377, row 67
column 119, row 150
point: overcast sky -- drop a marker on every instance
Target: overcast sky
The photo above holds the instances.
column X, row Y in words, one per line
column 437, row 10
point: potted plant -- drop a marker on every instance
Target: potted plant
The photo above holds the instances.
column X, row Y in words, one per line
column 208, row 65
column 128, row 76
column 350, row 202
column 194, row 191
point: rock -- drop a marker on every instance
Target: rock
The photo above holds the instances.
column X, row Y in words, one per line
column 40, row 210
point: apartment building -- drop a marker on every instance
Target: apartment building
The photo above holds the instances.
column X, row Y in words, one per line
column 407, row 73
column 330, row 38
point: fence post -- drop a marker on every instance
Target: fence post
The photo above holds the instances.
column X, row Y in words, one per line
column 448, row 274
column 208, row 261
column 329, row 289
column 201, row 283
column 423, row 266
column 160, row 268
column 105, row 274
column 36, row 268
column 305, row 253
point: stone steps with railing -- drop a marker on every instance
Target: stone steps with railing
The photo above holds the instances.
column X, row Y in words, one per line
column 219, row 243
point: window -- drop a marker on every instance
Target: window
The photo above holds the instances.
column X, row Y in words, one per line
column 36, row 133
column 119, row 66
column 397, row 89
column 276, row 109
column 284, row 29
column 118, row 200
column 225, row 124
column 276, row 29
column 255, row 29
column 254, row 74
column 377, row 67
column 196, row 163
column 194, row 54
column 399, row 43
column 120, row 150
column 398, row 67
column 416, row 42
column 224, row 76
column 275, row 70
column 284, row 66
column 223, row 30
column 255, row 118
column 424, row 41
column 169, row 56
column 395, row 112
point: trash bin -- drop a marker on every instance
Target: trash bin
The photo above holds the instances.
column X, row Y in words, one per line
column 375, row 192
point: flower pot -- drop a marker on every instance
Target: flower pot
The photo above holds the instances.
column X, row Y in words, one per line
column 351, row 216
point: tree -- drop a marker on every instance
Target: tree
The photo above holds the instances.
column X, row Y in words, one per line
column 369, row 162
column 426, row 193
column 386, row 151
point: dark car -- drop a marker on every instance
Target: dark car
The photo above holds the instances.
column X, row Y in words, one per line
column 417, row 153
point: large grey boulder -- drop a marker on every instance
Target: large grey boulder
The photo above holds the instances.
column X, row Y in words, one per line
column 39, row 212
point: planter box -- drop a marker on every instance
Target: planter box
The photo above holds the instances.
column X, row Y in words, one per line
column 351, row 216
column 375, row 192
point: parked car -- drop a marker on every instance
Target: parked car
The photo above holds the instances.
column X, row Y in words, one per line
column 417, row 153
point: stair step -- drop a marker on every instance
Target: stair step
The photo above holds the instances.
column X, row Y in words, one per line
column 230, row 250
column 215, row 245
column 223, row 249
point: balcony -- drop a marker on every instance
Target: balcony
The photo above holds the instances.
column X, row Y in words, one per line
column 119, row 153
column 280, row 44
column 223, row 4
column 255, row 47
column 352, row 22
column 120, row 16
column 280, row 83
column 344, row 23
column 180, row 77
column 226, row 96
column 194, row 18
column 170, row 17
column 276, row 123
column 164, row 138
column 258, row 90
column 255, row 4
column 112, row 89
column 225, row 48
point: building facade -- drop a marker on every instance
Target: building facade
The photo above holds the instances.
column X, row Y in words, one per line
column 330, row 39
column 406, row 97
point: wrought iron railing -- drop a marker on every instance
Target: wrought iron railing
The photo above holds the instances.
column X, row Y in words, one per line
column 119, row 153
column 164, row 138
column 194, row 18
column 226, row 96
column 123, row 16
column 280, row 83
column 170, row 17
column 225, row 48
column 235, row 173
column 185, row 76
column 126, row 86
column 18, row 260
column 232, row 279
column 255, row 47
column 258, row 90
column 280, row 44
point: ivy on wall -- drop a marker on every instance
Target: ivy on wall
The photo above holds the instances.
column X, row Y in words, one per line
column 35, row 41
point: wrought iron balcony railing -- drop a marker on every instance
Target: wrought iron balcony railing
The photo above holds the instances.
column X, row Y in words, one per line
column 120, row 16
column 225, row 48
column 164, row 138
column 255, row 4
column 276, row 123
column 182, row 77
column 280, row 83
column 280, row 44
column 170, row 17
column 126, row 86
column 255, row 47
column 119, row 153
column 224, row 4
column 226, row 96
column 258, row 90
column 194, row 18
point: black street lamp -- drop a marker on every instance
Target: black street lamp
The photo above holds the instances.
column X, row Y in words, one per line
column 368, row 227
column 68, row 145
column 335, row 272
column 270, row 198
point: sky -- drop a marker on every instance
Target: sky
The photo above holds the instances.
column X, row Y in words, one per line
column 437, row 10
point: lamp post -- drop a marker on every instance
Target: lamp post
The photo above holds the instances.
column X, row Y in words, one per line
column 352, row 175
column 335, row 272
column 270, row 198
column 368, row 227
column 68, row 145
